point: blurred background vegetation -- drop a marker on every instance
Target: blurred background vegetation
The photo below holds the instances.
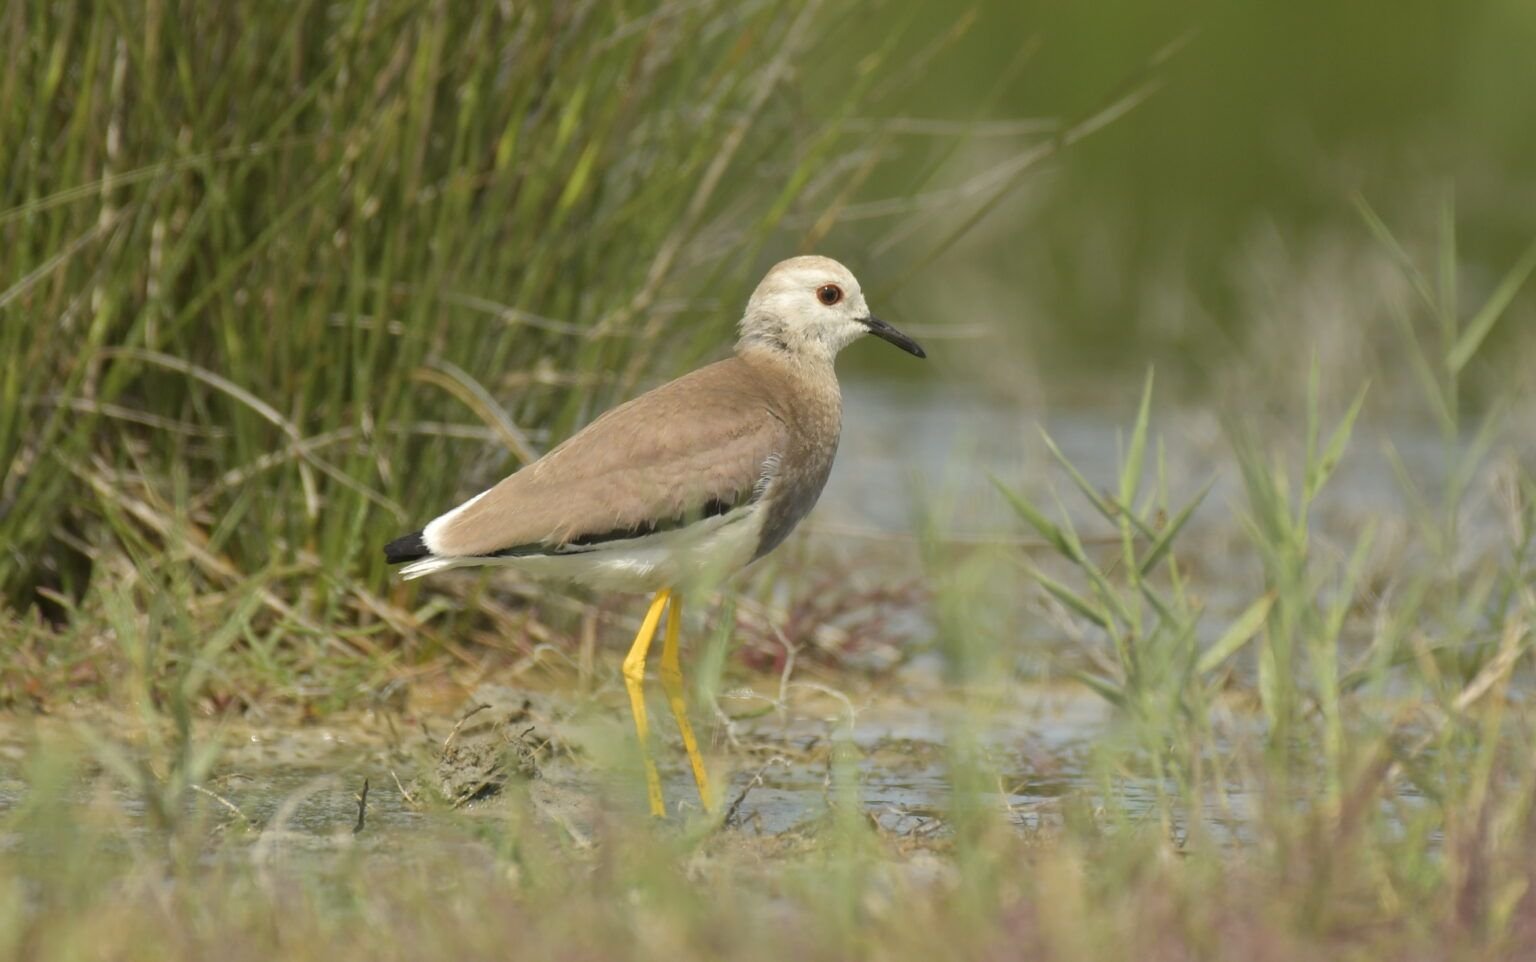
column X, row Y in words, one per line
column 1174, row 232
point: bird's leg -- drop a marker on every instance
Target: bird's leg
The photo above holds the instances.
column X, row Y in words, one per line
column 634, row 680
column 672, row 684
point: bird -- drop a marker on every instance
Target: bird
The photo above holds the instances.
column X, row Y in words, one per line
column 676, row 489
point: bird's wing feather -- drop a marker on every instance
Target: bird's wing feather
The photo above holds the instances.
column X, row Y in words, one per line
column 688, row 447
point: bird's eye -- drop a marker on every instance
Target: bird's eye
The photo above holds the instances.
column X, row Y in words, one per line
column 829, row 294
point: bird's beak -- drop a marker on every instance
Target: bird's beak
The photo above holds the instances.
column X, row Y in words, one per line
column 886, row 332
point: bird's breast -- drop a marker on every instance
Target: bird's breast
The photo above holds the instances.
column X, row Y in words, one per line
column 801, row 473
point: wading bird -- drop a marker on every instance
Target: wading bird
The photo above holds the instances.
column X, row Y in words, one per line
column 674, row 490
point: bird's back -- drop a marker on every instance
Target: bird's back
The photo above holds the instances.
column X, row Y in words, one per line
column 745, row 430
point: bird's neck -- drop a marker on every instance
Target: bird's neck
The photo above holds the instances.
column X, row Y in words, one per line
column 811, row 368
column 812, row 375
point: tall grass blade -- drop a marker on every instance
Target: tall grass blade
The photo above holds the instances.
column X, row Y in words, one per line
column 1130, row 471
column 1165, row 538
column 1101, row 686
column 1493, row 309
column 1332, row 454
column 1389, row 240
column 1238, row 634
column 1072, row 599
column 1034, row 517
column 1102, row 505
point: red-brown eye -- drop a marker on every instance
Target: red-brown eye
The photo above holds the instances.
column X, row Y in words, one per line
column 829, row 294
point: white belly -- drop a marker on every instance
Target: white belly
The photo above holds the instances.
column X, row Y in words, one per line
column 697, row 556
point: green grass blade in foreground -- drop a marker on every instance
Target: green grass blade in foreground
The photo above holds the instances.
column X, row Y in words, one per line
column 1394, row 247
column 1105, row 688
column 1239, row 633
column 1073, row 600
column 1477, row 329
column 1130, row 468
column 1165, row 538
column 1033, row 516
column 1109, row 511
column 1322, row 467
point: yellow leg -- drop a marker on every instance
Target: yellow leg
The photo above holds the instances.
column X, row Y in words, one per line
column 634, row 680
column 672, row 684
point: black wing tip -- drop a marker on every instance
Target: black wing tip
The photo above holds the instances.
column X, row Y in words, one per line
column 410, row 547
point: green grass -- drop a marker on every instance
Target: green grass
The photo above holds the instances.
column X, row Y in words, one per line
column 278, row 285
column 1366, row 707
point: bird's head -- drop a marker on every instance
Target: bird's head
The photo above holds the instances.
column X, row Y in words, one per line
column 813, row 307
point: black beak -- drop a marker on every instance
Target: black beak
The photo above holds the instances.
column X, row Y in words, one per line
column 886, row 332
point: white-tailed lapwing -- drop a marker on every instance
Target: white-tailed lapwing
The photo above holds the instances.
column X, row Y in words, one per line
column 685, row 484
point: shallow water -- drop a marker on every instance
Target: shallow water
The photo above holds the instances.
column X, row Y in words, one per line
column 903, row 451
column 284, row 792
column 291, row 784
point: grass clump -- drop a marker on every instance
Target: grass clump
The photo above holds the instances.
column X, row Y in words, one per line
column 1352, row 725
column 276, row 284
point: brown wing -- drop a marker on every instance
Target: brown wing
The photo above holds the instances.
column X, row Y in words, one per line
column 693, row 446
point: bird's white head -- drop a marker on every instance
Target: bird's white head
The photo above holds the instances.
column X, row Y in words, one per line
column 812, row 307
